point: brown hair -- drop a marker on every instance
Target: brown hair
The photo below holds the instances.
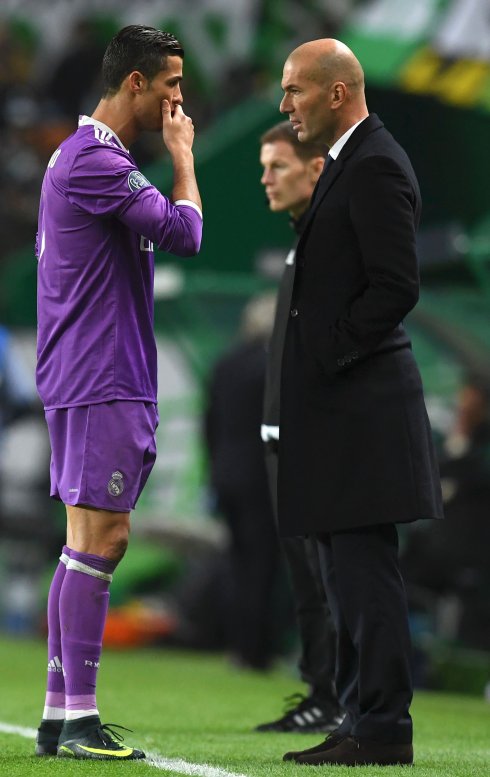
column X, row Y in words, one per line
column 284, row 131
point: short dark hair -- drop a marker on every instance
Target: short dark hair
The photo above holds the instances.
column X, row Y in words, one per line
column 284, row 131
column 137, row 48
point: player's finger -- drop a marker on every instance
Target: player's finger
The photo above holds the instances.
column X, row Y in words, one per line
column 178, row 111
column 166, row 112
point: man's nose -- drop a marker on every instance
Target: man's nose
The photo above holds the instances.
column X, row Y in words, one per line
column 284, row 106
column 266, row 177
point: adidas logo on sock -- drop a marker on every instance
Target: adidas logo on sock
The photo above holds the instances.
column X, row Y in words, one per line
column 55, row 665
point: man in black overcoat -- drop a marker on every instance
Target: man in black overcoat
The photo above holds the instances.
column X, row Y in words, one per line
column 290, row 172
column 355, row 451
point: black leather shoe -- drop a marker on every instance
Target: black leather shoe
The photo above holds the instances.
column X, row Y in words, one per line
column 332, row 740
column 350, row 751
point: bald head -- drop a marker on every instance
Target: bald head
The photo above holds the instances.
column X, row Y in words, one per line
column 328, row 60
column 323, row 83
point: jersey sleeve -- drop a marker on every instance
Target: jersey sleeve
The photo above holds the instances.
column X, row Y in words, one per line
column 105, row 183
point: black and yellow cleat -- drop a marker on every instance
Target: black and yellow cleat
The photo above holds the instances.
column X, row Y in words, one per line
column 47, row 737
column 87, row 738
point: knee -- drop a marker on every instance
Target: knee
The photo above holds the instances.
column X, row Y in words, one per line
column 117, row 545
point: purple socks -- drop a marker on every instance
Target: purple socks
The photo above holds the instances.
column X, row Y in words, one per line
column 54, row 708
column 76, row 626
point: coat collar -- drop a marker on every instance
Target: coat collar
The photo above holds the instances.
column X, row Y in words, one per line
column 370, row 124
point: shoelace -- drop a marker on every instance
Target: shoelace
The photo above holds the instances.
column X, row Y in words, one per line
column 109, row 735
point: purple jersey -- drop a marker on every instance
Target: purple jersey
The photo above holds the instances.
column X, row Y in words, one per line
column 98, row 220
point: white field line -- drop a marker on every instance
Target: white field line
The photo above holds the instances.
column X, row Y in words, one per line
column 28, row 733
column 184, row 767
column 177, row 765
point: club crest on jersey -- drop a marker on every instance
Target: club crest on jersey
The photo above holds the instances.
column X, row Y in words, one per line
column 137, row 180
column 115, row 485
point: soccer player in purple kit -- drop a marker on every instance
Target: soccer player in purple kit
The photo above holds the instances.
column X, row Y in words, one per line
column 98, row 220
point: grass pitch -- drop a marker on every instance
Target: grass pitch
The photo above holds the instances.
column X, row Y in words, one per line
column 197, row 708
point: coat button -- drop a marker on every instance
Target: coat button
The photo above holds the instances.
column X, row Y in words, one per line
column 294, row 312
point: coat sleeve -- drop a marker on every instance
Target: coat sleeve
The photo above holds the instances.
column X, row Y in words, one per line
column 382, row 212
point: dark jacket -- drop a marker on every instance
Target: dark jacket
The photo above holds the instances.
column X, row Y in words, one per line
column 232, row 421
column 276, row 344
column 355, row 443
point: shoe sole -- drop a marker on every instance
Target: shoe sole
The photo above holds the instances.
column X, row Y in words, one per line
column 65, row 752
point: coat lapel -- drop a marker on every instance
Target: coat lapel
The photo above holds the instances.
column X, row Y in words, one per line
column 327, row 180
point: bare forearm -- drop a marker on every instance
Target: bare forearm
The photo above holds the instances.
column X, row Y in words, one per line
column 185, row 184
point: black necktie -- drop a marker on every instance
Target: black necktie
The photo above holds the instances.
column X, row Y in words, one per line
column 328, row 164
column 326, row 167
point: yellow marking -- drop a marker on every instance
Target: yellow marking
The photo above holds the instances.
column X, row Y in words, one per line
column 462, row 82
column 123, row 753
column 420, row 71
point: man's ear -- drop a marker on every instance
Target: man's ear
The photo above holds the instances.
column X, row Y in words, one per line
column 136, row 82
column 337, row 95
column 315, row 168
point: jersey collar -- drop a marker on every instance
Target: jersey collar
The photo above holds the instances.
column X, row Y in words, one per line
column 83, row 121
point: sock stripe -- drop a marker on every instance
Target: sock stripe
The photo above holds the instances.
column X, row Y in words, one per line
column 78, row 566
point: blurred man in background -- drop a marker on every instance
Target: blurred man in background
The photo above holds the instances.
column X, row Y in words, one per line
column 17, row 392
column 239, row 485
column 290, row 172
column 445, row 564
column 96, row 372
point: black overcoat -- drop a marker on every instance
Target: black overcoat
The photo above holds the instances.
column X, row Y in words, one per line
column 355, row 442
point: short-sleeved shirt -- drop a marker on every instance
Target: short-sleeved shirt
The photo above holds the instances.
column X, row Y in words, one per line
column 98, row 220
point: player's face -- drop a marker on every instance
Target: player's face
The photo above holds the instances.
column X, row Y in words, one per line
column 306, row 102
column 288, row 180
column 164, row 86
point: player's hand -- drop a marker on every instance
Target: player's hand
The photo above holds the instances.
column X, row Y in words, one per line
column 177, row 130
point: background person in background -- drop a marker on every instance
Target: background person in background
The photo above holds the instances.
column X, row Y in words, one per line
column 290, row 172
column 445, row 564
column 355, row 451
column 97, row 371
column 17, row 391
column 239, row 485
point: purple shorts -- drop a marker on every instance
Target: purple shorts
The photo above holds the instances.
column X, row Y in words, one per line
column 102, row 455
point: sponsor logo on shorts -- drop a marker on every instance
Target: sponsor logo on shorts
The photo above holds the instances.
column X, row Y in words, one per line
column 115, row 485
column 137, row 180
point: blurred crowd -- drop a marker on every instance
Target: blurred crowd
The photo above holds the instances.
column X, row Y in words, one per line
column 47, row 79
column 38, row 108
